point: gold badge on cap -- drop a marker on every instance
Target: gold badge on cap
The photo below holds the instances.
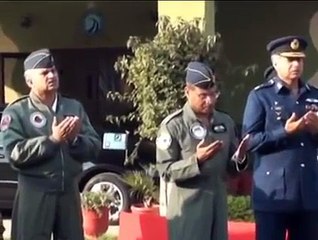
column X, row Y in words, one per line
column 294, row 44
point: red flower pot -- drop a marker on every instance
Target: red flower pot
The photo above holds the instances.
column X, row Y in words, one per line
column 140, row 209
column 241, row 230
column 95, row 225
column 136, row 226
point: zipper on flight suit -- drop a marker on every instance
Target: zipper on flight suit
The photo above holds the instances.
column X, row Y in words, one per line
column 54, row 111
column 63, row 174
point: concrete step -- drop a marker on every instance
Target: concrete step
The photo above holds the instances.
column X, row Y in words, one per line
column 112, row 230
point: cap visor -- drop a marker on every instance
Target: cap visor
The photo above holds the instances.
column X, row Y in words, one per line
column 293, row 54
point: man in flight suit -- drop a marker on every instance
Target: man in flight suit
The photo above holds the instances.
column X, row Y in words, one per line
column 281, row 119
column 194, row 149
column 47, row 137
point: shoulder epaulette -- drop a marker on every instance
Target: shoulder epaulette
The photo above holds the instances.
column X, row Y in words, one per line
column 221, row 111
column 64, row 95
column 18, row 100
column 265, row 84
column 310, row 86
column 171, row 116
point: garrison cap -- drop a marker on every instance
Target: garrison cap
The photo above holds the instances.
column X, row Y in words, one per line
column 41, row 58
column 269, row 73
column 200, row 75
column 289, row 46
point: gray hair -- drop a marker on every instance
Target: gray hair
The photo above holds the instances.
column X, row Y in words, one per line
column 28, row 74
column 275, row 58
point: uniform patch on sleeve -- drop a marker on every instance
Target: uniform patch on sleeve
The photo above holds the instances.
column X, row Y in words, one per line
column 5, row 122
column 163, row 141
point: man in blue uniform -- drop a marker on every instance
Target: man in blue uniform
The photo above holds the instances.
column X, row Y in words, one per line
column 281, row 119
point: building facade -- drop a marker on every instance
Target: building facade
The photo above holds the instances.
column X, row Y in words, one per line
column 85, row 37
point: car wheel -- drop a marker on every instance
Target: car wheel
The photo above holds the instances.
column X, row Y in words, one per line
column 115, row 185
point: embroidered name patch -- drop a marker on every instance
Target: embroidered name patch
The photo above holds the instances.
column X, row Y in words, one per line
column 220, row 128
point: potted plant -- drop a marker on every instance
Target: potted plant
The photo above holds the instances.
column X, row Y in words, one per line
column 95, row 211
column 144, row 221
column 144, row 190
column 241, row 218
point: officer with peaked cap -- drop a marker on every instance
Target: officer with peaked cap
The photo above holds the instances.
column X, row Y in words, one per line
column 281, row 118
column 195, row 150
column 46, row 138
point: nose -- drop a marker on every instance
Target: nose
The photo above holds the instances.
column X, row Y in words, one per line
column 296, row 63
column 209, row 100
column 50, row 74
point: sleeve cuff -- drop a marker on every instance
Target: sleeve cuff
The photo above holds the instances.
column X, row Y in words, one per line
column 236, row 159
column 240, row 164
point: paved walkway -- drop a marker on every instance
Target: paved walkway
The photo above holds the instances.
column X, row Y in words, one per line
column 112, row 230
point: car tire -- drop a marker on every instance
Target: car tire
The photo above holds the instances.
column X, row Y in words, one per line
column 122, row 192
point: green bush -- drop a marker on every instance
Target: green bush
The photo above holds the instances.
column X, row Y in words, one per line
column 239, row 208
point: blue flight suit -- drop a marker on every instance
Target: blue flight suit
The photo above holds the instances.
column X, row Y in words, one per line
column 285, row 176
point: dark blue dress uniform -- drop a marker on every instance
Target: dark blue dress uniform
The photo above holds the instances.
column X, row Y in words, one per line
column 285, row 176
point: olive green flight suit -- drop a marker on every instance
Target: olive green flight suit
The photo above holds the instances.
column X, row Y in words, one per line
column 195, row 194
column 48, row 199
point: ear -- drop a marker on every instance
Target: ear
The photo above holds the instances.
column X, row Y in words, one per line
column 29, row 82
column 186, row 91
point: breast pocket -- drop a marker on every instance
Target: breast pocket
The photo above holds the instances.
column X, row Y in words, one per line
column 270, row 184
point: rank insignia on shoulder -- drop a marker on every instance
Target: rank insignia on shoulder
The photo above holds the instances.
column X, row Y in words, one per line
column 220, row 128
column 266, row 84
column 171, row 116
column 163, row 141
column 312, row 100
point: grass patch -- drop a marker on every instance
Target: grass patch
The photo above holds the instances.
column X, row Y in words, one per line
column 106, row 237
